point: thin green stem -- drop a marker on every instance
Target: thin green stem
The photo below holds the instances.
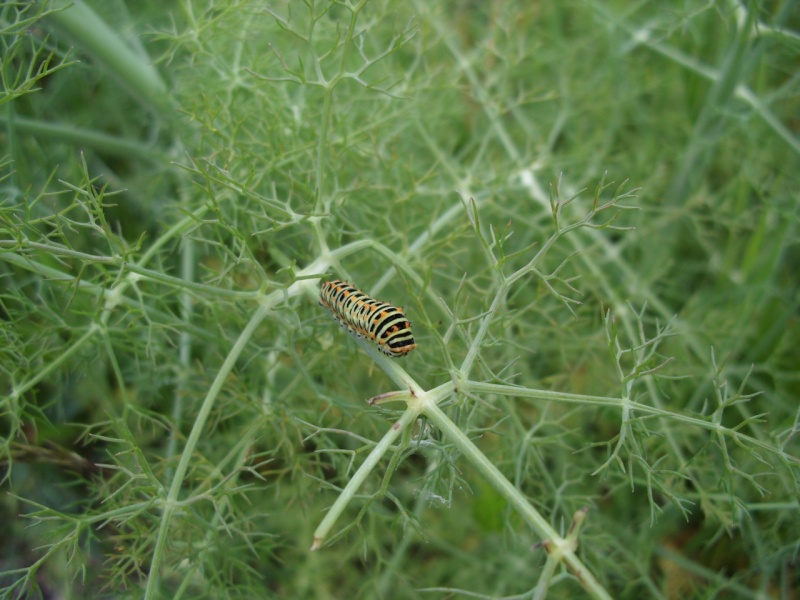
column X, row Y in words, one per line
column 172, row 499
column 55, row 364
column 108, row 46
column 358, row 478
column 561, row 547
column 188, row 261
column 85, row 138
column 477, row 387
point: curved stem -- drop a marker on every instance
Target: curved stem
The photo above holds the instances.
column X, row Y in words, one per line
column 557, row 545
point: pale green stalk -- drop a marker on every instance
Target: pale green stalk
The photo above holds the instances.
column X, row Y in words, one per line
column 560, row 548
column 171, row 502
column 357, row 480
column 107, row 46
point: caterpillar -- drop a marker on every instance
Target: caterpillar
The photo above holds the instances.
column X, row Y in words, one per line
column 384, row 324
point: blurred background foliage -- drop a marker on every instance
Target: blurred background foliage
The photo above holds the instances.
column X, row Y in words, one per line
column 164, row 164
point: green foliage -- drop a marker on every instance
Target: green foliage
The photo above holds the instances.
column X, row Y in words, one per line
column 588, row 210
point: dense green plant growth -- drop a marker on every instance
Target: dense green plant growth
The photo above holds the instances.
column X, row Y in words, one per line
column 588, row 210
